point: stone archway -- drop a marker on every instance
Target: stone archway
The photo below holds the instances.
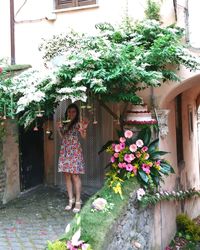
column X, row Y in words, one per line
column 183, row 100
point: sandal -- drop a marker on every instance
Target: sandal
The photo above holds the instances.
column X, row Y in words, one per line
column 76, row 209
column 71, row 202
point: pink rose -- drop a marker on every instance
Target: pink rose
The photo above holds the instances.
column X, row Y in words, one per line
column 139, row 143
column 132, row 157
column 144, row 149
column 129, row 167
column 122, row 146
column 128, row 134
column 122, row 139
column 117, row 148
column 112, row 159
column 133, row 147
column 116, row 155
column 129, row 157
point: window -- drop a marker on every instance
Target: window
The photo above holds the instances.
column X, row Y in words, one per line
column 61, row 4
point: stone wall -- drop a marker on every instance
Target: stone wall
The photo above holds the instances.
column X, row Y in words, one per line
column 150, row 228
column 133, row 230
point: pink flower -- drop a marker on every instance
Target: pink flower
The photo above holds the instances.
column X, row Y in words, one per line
column 122, row 139
column 122, row 145
column 138, row 154
column 112, row 159
column 117, row 148
column 128, row 134
column 129, row 157
column 133, row 147
column 139, row 143
column 120, row 165
column 146, row 169
column 146, row 156
column 113, row 146
column 129, row 167
column 132, row 156
column 116, row 155
column 144, row 149
column 124, row 165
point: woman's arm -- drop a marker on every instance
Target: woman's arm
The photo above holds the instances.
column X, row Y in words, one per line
column 83, row 128
column 60, row 130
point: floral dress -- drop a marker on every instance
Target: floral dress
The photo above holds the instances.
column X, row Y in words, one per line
column 71, row 155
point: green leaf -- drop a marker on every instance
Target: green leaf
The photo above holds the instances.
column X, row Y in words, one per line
column 143, row 176
column 145, row 135
column 153, row 145
column 156, row 155
column 105, row 146
column 166, row 167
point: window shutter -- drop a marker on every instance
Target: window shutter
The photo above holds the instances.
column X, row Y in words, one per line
column 60, row 4
column 86, row 2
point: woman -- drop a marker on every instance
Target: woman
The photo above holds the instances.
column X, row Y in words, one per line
column 71, row 161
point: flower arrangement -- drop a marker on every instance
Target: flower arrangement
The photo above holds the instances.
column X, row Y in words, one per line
column 146, row 198
column 136, row 157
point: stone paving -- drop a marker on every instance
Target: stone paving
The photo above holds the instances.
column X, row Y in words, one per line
column 29, row 221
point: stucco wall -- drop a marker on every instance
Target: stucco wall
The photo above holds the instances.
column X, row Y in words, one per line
column 11, row 162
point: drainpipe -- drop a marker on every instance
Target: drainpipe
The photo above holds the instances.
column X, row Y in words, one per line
column 12, row 32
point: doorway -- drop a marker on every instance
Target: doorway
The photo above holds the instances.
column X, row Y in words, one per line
column 31, row 158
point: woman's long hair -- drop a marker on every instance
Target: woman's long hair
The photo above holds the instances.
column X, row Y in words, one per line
column 76, row 119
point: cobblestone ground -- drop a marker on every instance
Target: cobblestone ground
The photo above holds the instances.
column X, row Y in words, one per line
column 29, row 221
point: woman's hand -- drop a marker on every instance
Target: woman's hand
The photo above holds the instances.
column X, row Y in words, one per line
column 83, row 127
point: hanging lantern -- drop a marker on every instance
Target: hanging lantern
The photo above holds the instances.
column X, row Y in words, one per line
column 36, row 127
column 39, row 112
column 48, row 127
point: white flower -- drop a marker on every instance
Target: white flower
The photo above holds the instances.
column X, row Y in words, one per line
column 99, row 204
column 78, row 77
column 140, row 193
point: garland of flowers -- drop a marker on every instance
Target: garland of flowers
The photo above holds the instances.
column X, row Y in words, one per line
column 146, row 198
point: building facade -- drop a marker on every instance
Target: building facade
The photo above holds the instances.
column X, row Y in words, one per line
column 33, row 20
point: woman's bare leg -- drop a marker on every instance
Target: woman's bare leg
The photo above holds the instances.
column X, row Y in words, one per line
column 77, row 184
column 68, row 182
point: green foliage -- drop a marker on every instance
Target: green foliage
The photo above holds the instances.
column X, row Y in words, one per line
column 96, row 226
column 113, row 65
column 188, row 227
column 57, row 245
column 153, row 10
